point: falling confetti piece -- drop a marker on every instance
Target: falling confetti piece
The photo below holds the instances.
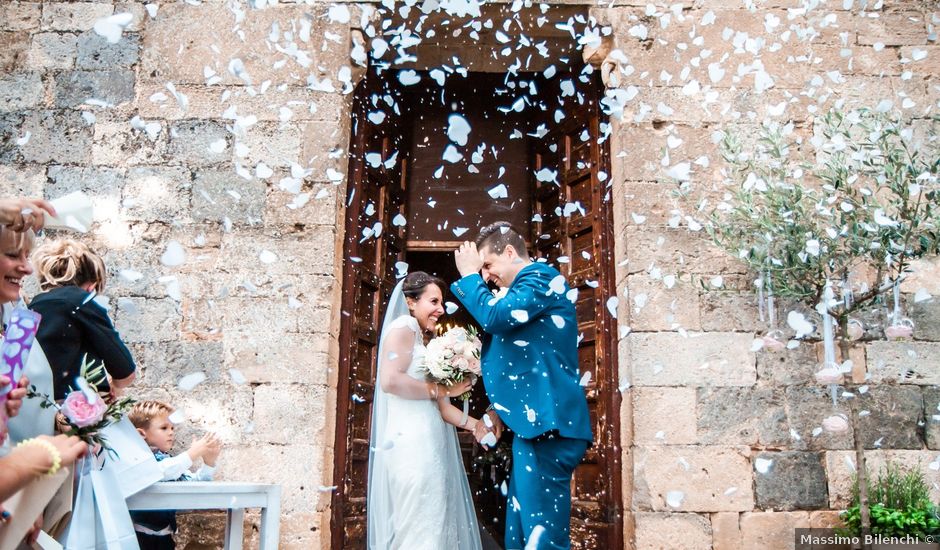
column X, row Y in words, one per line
column 112, row 27
column 798, row 322
column 499, row 192
column 674, row 498
column 236, row 376
column 585, row 379
column 762, row 465
column 174, row 254
column 458, row 129
column 267, row 257
column 177, row 417
column 190, row 381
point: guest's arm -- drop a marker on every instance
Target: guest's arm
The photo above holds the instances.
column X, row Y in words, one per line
column 34, row 458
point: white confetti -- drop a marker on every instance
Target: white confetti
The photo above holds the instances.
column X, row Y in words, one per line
column 190, row 381
column 236, row 376
column 585, row 379
column 267, row 257
column 520, row 315
column 112, row 27
column 674, row 498
column 174, row 254
column 458, row 129
column 921, row 295
column 559, row 321
column 762, row 465
column 612, row 304
column 450, row 307
column 499, row 192
column 798, row 322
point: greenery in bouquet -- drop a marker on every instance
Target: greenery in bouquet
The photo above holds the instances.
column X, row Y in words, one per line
column 900, row 506
column 84, row 412
column 453, row 356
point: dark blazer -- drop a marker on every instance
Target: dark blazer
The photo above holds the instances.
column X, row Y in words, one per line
column 73, row 325
column 530, row 359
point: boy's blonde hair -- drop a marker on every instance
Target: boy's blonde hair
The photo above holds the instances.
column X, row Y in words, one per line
column 143, row 412
column 66, row 262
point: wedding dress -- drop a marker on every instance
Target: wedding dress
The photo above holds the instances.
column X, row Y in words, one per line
column 418, row 495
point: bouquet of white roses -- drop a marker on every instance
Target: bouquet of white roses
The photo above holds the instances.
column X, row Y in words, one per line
column 453, row 356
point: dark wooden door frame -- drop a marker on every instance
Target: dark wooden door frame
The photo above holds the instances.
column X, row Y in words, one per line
column 604, row 244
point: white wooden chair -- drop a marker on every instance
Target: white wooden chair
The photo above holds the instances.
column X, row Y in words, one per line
column 218, row 495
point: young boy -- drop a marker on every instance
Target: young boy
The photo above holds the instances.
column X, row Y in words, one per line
column 152, row 419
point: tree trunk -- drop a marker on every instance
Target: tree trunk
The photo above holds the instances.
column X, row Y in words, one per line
column 862, row 474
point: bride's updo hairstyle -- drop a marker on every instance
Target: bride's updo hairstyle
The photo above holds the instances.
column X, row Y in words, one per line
column 68, row 262
column 415, row 283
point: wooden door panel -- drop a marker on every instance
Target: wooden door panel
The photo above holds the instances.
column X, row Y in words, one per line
column 372, row 246
column 576, row 219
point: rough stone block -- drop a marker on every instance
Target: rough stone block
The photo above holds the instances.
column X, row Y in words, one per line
column 926, row 317
column 190, row 142
column 794, row 481
column 841, row 467
column 143, row 320
column 664, row 416
column 655, row 307
column 932, row 416
column 236, row 249
column 117, row 143
column 668, row 359
column 925, row 273
column 73, row 88
column 10, row 151
column 96, row 53
column 14, row 51
column 22, row 181
column 771, row 530
column 905, row 362
column 896, row 417
column 825, row 519
column 103, row 185
column 20, row 16
column 53, row 50
column 319, row 211
column 895, row 28
column 726, row 531
column 275, row 423
column 741, row 416
column 730, row 311
column 299, row 471
column 807, row 406
column 787, row 367
column 655, row 531
column 298, row 358
column 165, row 363
column 319, row 140
column 277, row 145
column 168, row 54
column 158, row 193
column 73, row 16
column 705, row 479
column 222, row 194
column 20, row 91
column 56, row 136
column 204, row 102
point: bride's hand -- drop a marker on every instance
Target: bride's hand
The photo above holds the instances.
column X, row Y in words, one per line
column 459, row 388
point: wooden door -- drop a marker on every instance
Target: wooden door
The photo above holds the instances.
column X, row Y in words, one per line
column 373, row 244
column 575, row 234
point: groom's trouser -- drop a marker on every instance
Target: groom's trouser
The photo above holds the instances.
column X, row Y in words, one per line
column 539, row 499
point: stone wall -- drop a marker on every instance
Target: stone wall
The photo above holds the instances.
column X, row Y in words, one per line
column 178, row 143
column 727, row 447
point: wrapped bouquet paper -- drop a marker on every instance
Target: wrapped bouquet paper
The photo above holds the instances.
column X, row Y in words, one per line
column 75, row 212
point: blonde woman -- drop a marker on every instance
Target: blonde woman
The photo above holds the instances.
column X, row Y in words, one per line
column 73, row 324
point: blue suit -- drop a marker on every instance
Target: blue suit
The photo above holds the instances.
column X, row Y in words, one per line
column 530, row 372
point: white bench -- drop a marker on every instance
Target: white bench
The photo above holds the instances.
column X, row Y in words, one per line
column 218, row 495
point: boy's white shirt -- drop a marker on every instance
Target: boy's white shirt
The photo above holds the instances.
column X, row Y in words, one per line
column 175, row 466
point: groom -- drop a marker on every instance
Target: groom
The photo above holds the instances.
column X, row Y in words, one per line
column 530, row 372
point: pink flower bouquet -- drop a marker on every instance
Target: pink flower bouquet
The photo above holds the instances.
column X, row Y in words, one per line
column 453, row 356
column 84, row 410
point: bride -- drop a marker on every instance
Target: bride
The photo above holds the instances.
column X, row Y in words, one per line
column 418, row 496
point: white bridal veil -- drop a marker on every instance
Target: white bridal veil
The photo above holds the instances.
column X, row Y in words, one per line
column 384, row 517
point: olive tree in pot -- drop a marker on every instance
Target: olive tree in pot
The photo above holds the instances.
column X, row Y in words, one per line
column 833, row 221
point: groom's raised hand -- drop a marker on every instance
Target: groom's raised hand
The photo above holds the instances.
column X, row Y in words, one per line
column 468, row 259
